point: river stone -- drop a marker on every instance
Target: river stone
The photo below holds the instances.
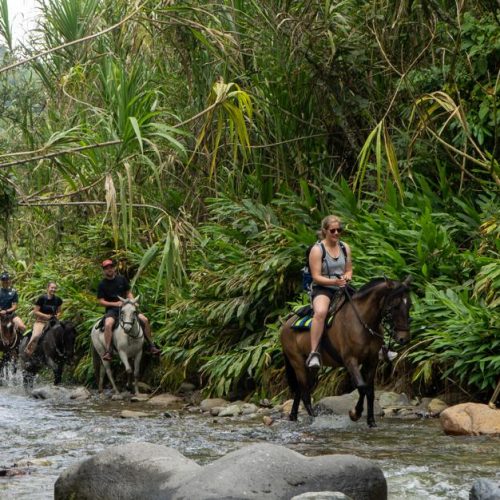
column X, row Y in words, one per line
column 436, row 406
column 80, row 394
column 125, row 472
column 259, row 471
column 186, row 387
column 322, row 495
column 470, row 419
column 391, row 399
column 230, row 411
column 134, row 414
column 248, row 409
column 166, row 400
column 139, row 398
column 143, row 387
column 207, row 404
column 50, row 392
column 485, row 489
column 341, row 405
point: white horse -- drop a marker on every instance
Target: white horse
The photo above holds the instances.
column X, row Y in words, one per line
column 128, row 338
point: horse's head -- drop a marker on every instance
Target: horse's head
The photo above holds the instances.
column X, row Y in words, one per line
column 68, row 340
column 398, row 304
column 128, row 313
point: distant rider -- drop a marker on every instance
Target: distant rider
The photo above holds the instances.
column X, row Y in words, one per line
column 9, row 300
column 47, row 307
column 110, row 288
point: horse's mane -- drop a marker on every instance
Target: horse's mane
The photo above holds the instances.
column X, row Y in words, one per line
column 368, row 287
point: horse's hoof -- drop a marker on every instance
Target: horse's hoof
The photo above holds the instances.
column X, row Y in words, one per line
column 371, row 424
column 292, row 418
column 353, row 415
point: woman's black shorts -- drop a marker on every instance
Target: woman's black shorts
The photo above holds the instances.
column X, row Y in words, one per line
column 323, row 290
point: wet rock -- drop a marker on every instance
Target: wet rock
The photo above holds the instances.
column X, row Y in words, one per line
column 485, row 489
column 207, row 404
column 248, row 409
column 166, row 400
column 139, row 398
column 259, row 471
column 230, row 411
column 436, row 406
column 80, row 394
column 134, row 414
column 392, row 399
column 143, row 387
column 322, row 495
column 50, row 392
column 265, row 403
column 186, row 387
column 267, row 420
column 33, row 462
column 216, row 410
column 340, row 405
column 11, row 472
column 470, row 419
column 401, row 412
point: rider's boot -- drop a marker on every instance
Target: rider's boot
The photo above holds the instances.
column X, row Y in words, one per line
column 108, row 355
column 153, row 348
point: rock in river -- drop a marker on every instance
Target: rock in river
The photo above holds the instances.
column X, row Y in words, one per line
column 259, row 471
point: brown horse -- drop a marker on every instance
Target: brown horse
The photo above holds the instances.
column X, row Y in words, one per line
column 9, row 341
column 353, row 340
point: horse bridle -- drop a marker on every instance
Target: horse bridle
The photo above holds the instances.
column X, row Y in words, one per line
column 131, row 323
column 387, row 318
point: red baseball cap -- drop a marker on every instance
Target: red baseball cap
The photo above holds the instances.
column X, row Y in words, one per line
column 107, row 262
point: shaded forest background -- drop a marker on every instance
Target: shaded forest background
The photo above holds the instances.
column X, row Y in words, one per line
column 200, row 145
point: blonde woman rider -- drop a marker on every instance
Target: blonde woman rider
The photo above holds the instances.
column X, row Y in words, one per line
column 330, row 274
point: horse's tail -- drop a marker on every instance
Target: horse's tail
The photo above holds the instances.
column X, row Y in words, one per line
column 291, row 377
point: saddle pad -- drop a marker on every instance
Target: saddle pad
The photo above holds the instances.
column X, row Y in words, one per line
column 304, row 323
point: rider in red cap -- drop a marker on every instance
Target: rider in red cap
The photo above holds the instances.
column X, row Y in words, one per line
column 110, row 288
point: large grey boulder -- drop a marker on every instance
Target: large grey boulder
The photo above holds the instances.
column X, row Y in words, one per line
column 259, row 471
column 485, row 489
column 341, row 405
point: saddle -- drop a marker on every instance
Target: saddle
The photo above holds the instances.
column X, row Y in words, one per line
column 305, row 314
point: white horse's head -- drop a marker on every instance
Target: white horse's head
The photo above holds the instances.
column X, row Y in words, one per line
column 128, row 313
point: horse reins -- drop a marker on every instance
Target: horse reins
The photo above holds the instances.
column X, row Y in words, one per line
column 360, row 319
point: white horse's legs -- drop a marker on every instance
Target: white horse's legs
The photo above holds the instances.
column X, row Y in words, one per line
column 126, row 364
column 109, row 373
column 137, row 365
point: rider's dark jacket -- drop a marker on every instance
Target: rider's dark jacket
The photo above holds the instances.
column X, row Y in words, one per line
column 110, row 290
column 8, row 296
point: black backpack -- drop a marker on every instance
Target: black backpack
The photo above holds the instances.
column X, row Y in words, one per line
column 306, row 273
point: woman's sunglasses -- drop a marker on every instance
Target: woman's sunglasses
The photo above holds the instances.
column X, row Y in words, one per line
column 335, row 230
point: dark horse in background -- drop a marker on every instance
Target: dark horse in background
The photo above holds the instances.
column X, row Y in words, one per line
column 353, row 340
column 55, row 348
column 9, row 343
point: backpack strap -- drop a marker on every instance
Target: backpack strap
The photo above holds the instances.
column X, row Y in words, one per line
column 344, row 250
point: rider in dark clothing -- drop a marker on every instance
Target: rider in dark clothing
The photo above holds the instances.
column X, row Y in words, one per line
column 9, row 300
column 109, row 291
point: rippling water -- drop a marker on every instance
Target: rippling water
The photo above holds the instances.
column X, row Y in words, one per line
column 418, row 460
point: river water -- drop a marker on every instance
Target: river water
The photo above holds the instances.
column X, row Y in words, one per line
column 418, row 460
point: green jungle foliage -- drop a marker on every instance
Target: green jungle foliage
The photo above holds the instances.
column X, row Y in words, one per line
column 200, row 145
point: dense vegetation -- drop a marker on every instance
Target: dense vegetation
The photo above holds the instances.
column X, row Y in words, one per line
column 200, row 144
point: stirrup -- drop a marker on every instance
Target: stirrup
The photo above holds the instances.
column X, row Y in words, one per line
column 313, row 361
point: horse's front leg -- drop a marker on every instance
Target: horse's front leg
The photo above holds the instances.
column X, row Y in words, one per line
column 128, row 368
column 370, row 394
column 137, row 366
column 109, row 373
column 358, row 380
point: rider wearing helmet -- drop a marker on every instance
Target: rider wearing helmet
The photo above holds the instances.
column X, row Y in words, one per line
column 109, row 290
column 9, row 300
